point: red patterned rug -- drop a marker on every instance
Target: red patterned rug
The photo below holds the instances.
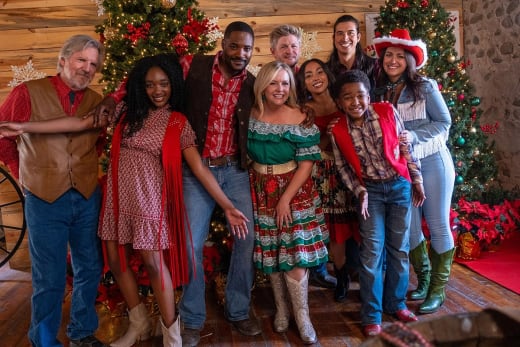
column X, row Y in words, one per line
column 501, row 266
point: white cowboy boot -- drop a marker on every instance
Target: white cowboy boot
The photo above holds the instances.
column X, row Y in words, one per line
column 298, row 291
column 281, row 318
column 172, row 335
column 139, row 328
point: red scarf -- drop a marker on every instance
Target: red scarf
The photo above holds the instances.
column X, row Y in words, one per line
column 172, row 201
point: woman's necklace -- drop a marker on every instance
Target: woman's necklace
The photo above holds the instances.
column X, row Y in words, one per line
column 392, row 86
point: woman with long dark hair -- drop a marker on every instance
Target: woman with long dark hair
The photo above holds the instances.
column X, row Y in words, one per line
column 314, row 81
column 427, row 121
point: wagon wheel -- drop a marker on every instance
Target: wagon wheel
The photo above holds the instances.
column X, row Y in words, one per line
column 12, row 221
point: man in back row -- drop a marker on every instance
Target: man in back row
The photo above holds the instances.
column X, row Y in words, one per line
column 285, row 41
column 219, row 100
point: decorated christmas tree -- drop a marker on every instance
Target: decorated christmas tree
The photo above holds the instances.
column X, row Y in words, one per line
column 133, row 29
column 468, row 141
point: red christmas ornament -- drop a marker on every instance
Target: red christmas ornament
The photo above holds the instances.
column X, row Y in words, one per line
column 461, row 97
column 403, row 4
column 424, row 3
column 440, row 87
column 180, row 43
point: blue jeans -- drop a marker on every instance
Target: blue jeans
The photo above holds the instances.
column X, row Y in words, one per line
column 70, row 221
column 439, row 179
column 384, row 234
column 199, row 204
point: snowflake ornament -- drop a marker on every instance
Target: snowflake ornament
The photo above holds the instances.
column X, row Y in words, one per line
column 213, row 34
column 254, row 69
column 24, row 73
column 309, row 44
column 100, row 8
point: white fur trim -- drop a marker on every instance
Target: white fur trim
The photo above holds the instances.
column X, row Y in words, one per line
column 401, row 42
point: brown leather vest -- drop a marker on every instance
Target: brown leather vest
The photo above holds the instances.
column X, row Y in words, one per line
column 51, row 164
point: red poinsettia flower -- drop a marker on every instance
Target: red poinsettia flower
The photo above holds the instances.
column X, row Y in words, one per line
column 489, row 224
column 137, row 33
column 195, row 29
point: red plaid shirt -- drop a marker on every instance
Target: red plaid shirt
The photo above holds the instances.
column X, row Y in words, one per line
column 221, row 132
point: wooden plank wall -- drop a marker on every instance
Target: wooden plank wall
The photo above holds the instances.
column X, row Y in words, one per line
column 36, row 29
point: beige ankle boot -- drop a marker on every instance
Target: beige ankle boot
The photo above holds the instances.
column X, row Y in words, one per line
column 172, row 335
column 139, row 328
column 281, row 318
column 298, row 291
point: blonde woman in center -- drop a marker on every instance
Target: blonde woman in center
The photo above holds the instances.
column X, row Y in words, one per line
column 290, row 229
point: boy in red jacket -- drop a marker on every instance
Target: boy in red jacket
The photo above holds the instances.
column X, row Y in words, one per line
column 377, row 165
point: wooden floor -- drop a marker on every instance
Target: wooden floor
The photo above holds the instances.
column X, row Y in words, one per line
column 336, row 324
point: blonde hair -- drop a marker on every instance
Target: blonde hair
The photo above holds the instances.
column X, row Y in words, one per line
column 284, row 30
column 264, row 78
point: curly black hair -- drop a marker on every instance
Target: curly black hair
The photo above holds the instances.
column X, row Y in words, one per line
column 138, row 104
column 351, row 76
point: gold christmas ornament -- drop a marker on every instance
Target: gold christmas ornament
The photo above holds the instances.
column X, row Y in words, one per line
column 451, row 58
column 168, row 3
column 432, row 35
column 109, row 33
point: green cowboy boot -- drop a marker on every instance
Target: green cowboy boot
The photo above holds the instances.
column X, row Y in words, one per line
column 421, row 265
column 441, row 267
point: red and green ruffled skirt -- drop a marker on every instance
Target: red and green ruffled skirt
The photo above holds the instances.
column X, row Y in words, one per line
column 303, row 243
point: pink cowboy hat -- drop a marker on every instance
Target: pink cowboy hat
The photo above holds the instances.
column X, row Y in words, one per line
column 401, row 38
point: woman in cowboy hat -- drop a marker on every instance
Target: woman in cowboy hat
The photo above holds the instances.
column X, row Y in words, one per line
column 427, row 121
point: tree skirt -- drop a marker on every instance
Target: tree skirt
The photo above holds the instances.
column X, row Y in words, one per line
column 500, row 266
